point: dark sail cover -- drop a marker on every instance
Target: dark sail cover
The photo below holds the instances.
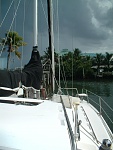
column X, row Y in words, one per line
column 31, row 75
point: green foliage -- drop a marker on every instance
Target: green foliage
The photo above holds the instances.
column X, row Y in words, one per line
column 81, row 66
column 48, row 55
column 108, row 60
column 11, row 43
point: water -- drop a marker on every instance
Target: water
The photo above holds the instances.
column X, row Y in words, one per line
column 103, row 88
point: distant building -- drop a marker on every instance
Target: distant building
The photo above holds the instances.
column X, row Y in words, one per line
column 63, row 52
column 3, row 63
column 89, row 54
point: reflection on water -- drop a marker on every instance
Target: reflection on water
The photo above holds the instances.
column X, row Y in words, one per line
column 100, row 88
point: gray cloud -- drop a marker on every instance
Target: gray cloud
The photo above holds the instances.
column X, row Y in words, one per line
column 83, row 24
column 88, row 23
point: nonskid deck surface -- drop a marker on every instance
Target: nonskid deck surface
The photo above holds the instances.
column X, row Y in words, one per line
column 33, row 127
column 96, row 121
column 92, row 128
column 44, row 125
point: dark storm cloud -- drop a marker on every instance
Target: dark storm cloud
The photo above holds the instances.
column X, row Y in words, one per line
column 88, row 23
column 103, row 15
column 83, row 24
column 109, row 19
column 77, row 19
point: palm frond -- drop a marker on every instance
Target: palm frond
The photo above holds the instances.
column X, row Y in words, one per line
column 18, row 54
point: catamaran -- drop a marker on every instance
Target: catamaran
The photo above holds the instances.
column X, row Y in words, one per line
column 62, row 122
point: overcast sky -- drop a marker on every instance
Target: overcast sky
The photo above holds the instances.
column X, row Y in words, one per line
column 89, row 23
column 83, row 24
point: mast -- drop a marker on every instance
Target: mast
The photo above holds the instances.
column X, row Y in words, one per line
column 51, row 39
column 35, row 23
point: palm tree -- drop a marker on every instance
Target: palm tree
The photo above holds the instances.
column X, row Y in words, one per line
column 12, row 42
column 77, row 53
column 48, row 55
column 108, row 59
column 98, row 59
column 67, row 61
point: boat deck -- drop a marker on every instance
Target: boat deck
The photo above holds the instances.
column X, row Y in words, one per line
column 41, row 126
column 44, row 126
column 96, row 122
column 92, row 124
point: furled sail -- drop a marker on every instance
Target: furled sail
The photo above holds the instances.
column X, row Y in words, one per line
column 30, row 76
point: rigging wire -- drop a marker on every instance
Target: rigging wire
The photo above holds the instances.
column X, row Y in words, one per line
column 64, row 77
column 10, row 26
column 13, row 29
column 72, row 64
column 24, row 16
column 44, row 12
column 56, row 16
column 58, row 49
column 58, row 42
column 6, row 13
column 12, row 56
column 46, row 17
column 14, row 15
column 51, row 30
column 60, row 61
column 63, row 72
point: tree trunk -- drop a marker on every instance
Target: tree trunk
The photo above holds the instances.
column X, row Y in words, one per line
column 8, row 60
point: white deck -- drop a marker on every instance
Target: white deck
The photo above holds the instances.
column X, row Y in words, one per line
column 93, row 120
column 97, row 127
column 33, row 127
column 96, row 122
column 44, row 127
